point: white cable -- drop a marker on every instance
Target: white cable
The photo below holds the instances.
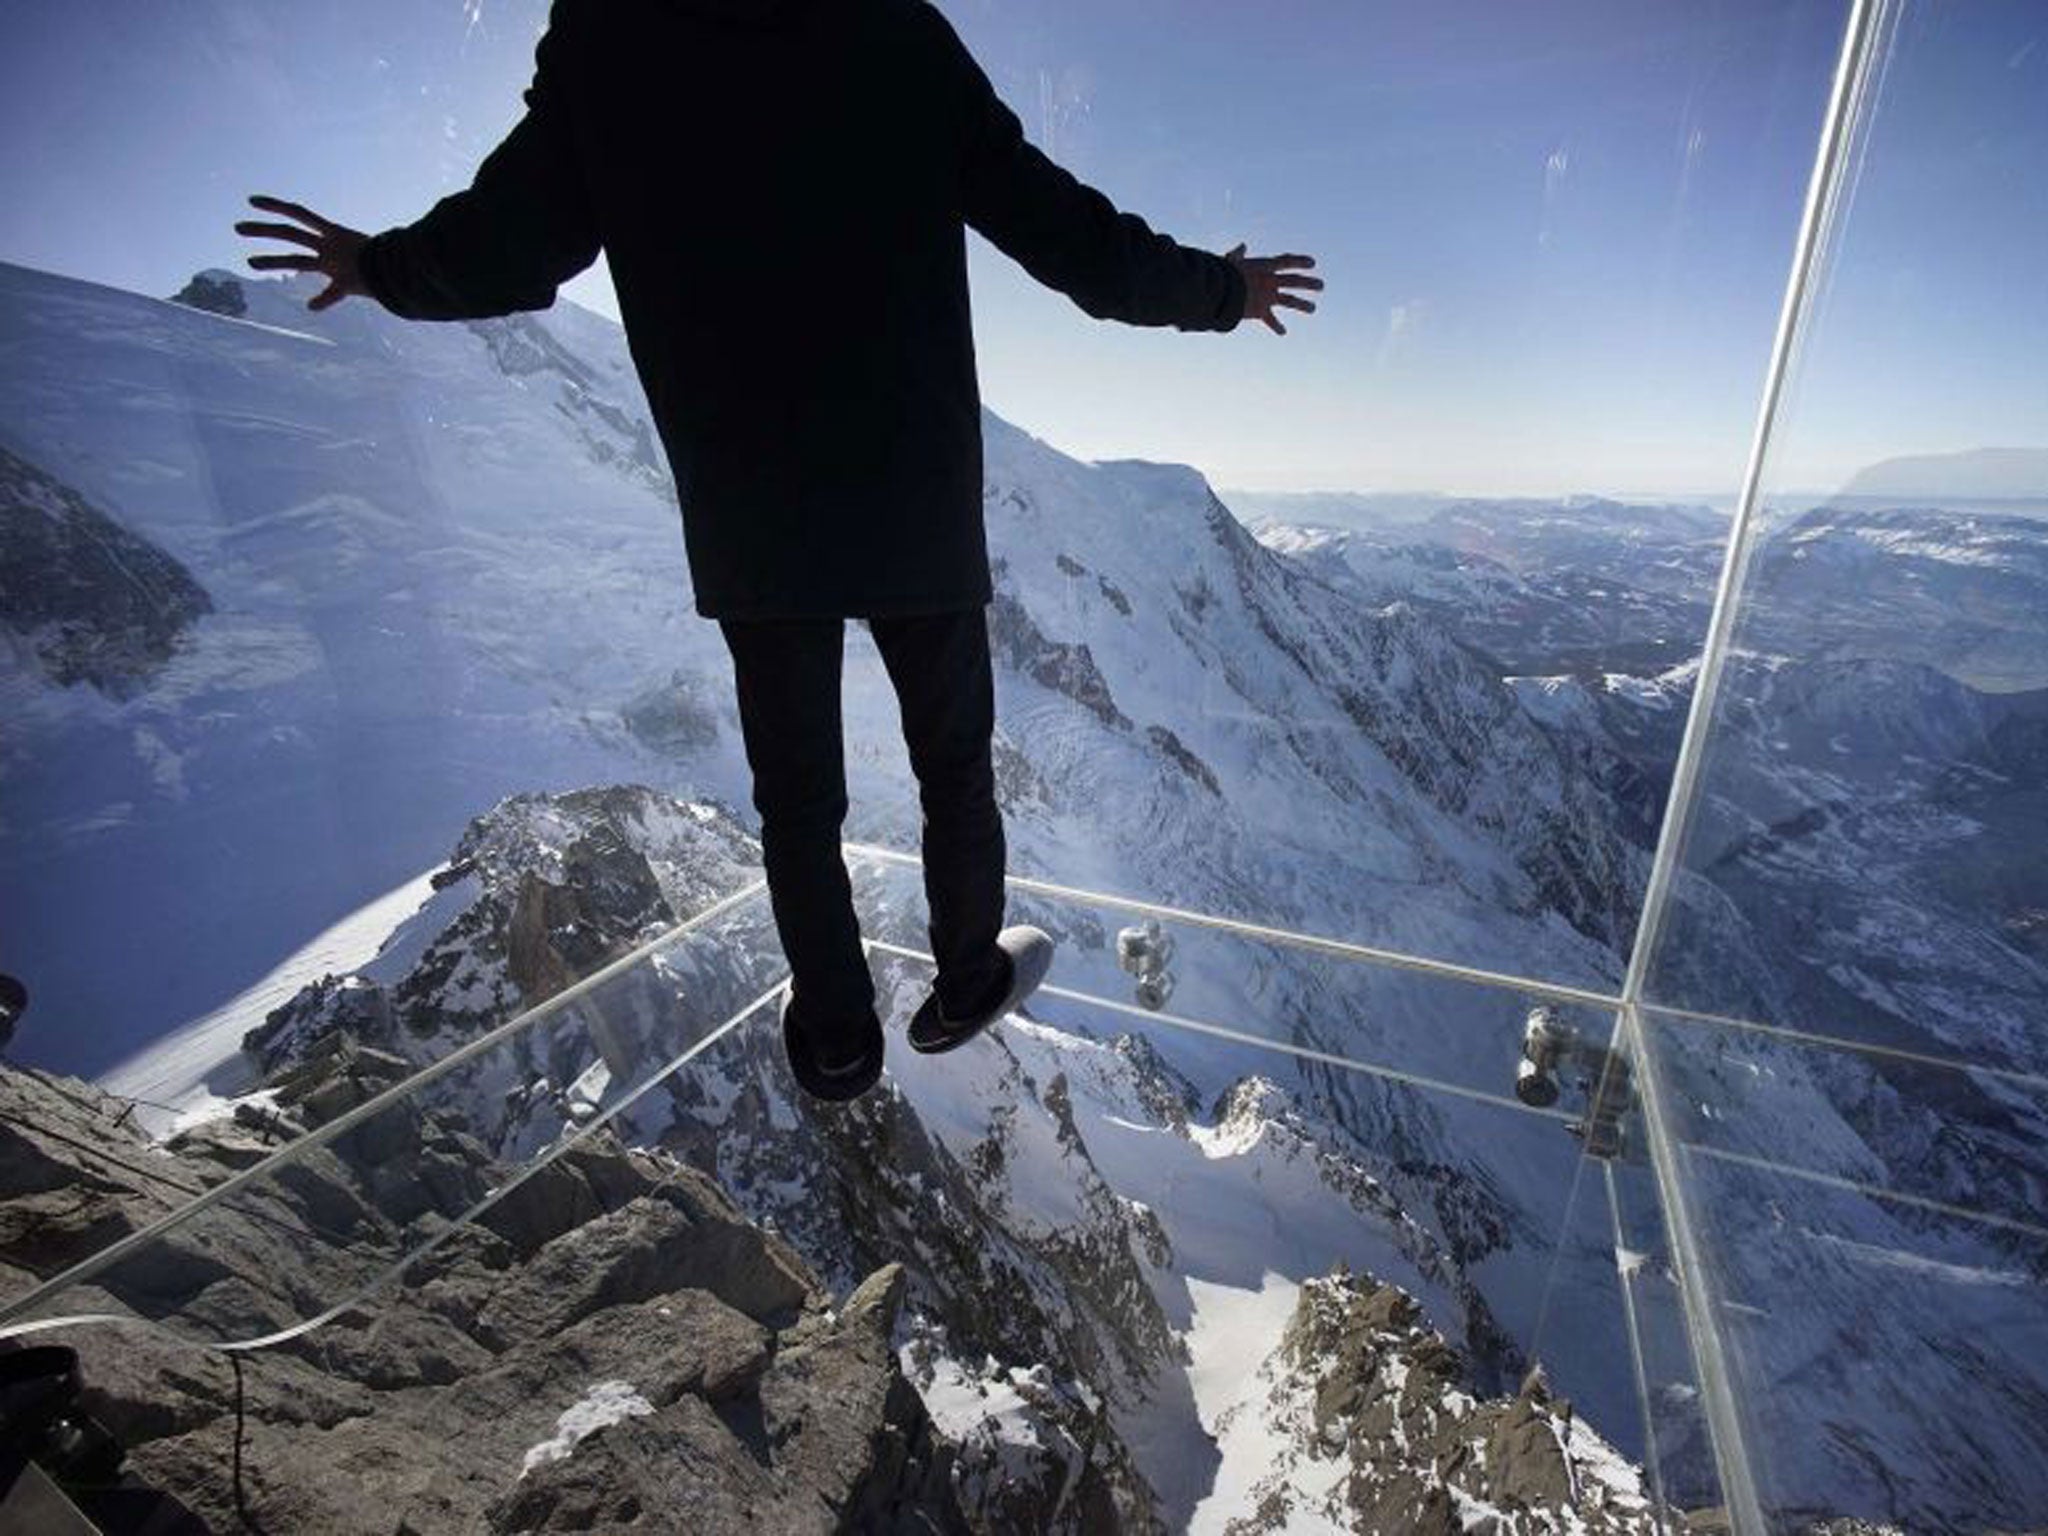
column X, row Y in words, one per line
column 1243, row 1037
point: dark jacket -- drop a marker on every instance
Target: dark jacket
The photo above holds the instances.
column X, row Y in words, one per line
column 782, row 191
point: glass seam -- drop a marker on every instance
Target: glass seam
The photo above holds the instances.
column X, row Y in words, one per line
column 1262, row 1042
column 1869, row 1191
column 1843, row 114
column 1343, row 949
column 1445, row 970
column 1824, row 1041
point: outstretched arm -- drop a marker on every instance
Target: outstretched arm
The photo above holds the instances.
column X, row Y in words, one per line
column 506, row 242
column 1073, row 239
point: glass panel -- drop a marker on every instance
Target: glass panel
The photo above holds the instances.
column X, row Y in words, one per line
column 1353, row 1069
column 1134, row 1250
column 1494, row 466
column 1247, row 986
column 1846, row 997
column 342, row 653
column 1873, row 1229
column 1865, row 1386
column 345, row 1161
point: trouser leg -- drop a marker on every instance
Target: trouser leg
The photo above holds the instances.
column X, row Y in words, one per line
column 939, row 664
column 788, row 676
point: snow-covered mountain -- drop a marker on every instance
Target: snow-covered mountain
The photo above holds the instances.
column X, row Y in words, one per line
column 422, row 569
column 441, row 573
column 403, row 536
column 1101, row 1259
column 1962, row 591
column 1539, row 604
column 1865, row 864
column 440, row 576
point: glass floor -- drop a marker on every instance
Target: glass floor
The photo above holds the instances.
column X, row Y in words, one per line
column 1263, row 1109
column 1615, row 921
column 1201, row 1076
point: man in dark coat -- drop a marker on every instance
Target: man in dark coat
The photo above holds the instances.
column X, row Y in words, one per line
column 782, row 190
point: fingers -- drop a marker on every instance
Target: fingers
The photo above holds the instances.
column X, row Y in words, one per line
column 1236, row 253
column 297, row 211
column 1276, row 282
column 290, row 232
column 327, row 297
column 1276, row 269
column 285, row 263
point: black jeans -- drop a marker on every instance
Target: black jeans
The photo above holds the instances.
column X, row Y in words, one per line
column 788, row 673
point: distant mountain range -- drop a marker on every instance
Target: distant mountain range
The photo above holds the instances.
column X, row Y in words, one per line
column 1982, row 474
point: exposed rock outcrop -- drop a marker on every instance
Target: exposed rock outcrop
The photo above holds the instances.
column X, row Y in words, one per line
column 559, row 886
column 93, row 602
column 627, row 1354
column 1064, row 667
column 216, row 293
column 1368, row 1385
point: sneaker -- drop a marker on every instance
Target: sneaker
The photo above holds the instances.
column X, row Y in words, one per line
column 833, row 1082
column 1027, row 956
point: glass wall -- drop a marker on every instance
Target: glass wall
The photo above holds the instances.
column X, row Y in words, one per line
column 1073, row 1208
column 1496, row 462
column 1846, row 997
column 1423, row 1082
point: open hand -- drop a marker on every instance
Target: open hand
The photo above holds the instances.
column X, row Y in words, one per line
column 1270, row 283
column 334, row 249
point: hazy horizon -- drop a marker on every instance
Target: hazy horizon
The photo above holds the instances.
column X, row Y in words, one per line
column 2031, row 500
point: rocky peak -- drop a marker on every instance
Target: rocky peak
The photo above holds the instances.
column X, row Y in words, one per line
column 91, row 601
column 214, row 291
column 1363, row 1382
column 604, row 1360
column 539, row 892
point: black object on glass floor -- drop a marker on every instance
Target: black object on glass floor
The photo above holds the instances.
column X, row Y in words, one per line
column 60, row 1468
column 1549, row 1045
column 13, row 1004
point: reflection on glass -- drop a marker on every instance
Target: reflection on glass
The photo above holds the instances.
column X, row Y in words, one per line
column 1845, row 1003
column 1126, row 1222
column 361, row 751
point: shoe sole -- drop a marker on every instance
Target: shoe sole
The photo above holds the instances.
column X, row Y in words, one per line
column 1031, row 954
column 830, row 1087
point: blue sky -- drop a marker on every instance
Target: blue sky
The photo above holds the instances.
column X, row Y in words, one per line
column 1555, row 235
